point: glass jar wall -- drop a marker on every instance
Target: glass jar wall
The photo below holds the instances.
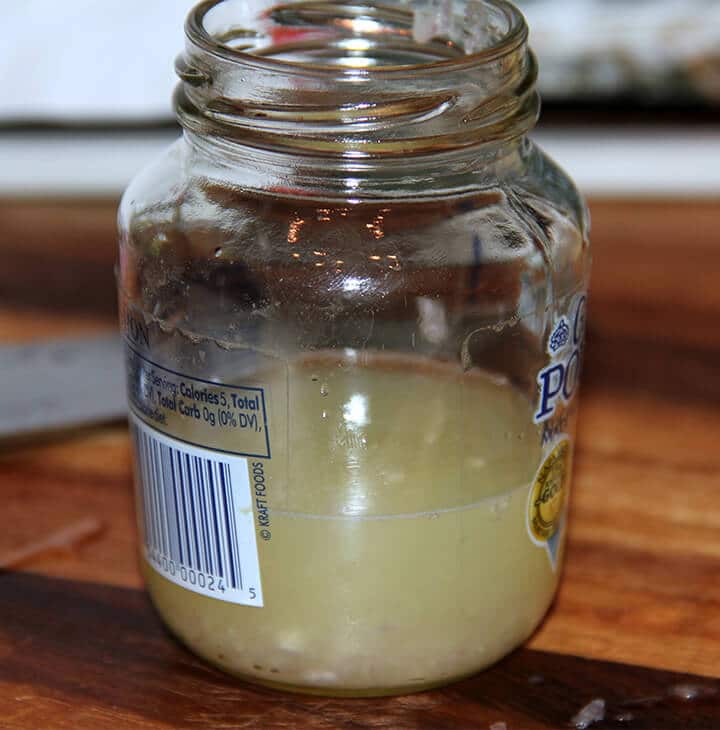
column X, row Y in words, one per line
column 353, row 296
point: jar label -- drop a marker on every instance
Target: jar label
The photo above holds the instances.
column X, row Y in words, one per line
column 557, row 386
column 214, row 415
column 200, row 452
column 558, row 382
column 197, row 519
column 547, row 500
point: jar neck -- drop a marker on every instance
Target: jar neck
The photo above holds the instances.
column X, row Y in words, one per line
column 358, row 96
column 445, row 174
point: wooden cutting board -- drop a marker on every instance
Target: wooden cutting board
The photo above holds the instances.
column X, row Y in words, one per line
column 637, row 620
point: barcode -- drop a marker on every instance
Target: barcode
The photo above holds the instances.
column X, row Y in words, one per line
column 196, row 516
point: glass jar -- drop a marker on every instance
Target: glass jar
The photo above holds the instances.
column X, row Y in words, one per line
column 353, row 297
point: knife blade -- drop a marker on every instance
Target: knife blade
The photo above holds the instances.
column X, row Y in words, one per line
column 58, row 384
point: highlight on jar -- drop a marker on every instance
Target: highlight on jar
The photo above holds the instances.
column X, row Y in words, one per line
column 353, row 297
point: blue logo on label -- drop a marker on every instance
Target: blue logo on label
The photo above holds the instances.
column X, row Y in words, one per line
column 558, row 381
column 560, row 336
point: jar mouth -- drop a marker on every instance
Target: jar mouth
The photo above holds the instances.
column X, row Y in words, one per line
column 357, row 79
column 350, row 39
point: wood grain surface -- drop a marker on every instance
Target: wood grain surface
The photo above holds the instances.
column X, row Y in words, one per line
column 639, row 605
column 97, row 656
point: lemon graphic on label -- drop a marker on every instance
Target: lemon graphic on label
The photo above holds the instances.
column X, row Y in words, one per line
column 548, row 494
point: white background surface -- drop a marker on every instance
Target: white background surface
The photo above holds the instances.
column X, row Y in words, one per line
column 112, row 61
column 89, row 60
column 603, row 161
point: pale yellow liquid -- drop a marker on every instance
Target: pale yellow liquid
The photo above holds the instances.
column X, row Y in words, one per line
column 400, row 557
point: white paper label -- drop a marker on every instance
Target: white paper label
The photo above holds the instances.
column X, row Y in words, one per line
column 196, row 516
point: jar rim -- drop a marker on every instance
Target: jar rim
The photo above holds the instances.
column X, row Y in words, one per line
column 513, row 38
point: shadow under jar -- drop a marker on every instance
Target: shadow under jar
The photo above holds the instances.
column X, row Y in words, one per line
column 353, row 299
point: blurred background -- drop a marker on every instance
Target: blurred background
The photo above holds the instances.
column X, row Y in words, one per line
column 631, row 107
column 631, row 93
column 87, row 89
column 631, row 96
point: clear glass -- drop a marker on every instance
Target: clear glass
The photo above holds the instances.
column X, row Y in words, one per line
column 355, row 224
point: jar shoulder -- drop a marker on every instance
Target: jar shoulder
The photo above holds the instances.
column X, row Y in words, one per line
column 173, row 204
column 156, row 190
column 545, row 180
column 216, row 260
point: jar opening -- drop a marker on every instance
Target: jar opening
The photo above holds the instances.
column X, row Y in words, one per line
column 374, row 38
column 357, row 79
